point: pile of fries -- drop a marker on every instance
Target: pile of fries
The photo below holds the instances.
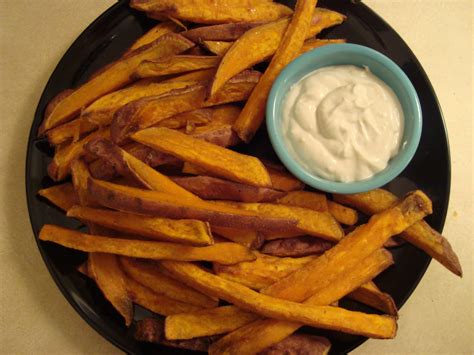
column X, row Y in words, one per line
column 178, row 223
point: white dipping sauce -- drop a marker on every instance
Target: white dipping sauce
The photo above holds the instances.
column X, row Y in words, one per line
column 342, row 123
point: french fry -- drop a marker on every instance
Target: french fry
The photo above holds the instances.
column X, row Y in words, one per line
column 214, row 12
column 211, row 188
column 175, row 65
column 223, row 32
column 101, row 112
column 153, row 34
column 250, row 238
column 321, row 317
column 59, row 167
column 198, row 75
column 217, row 47
column 371, row 295
column 283, row 180
column 221, row 252
column 264, row 333
column 105, row 270
column 149, row 275
column 420, row 234
column 312, row 200
column 353, row 248
column 206, row 322
column 189, row 231
column 147, row 112
column 112, row 78
column 299, row 344
column 282, row 235
column 259, row 43
column 63, row 196
column 129, row 199
column 318, row 224
column 198, row 118
column 56, row 100
column 220, row 161
column 296, row 247
column 157, row 303
column 313, row 43
column 288, row 48
column 342, row 214
column 80, row 175
column 70, row 131
column 261, row 272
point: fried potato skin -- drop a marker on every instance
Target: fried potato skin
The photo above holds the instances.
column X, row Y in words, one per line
column 223, row 32
column 371, row 295
column 296, row 247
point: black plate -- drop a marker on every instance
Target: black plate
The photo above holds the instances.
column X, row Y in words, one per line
column 108, row 36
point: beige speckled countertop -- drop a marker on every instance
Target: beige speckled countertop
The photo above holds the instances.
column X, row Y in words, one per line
column 36, row 319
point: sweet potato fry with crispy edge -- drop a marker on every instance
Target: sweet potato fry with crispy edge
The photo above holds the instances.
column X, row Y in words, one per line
column 63, row 196
column 175, row 65
column 59, row 167
column 70, row 131
column 130, row 167
column 224, row 32
column 283, row 180
column 318, row 224
column 105, row 270
column 199, row 117
column 146, row 112
column 222, row 252
column 157, row 303
column 206, row 322
column 371, row 295
column 321, row 317
column 420, row 234
column 282, row 235
column 343, row 214
column 217, row 47
column 261, row 272
column 150, row 276
column 80, row 175
column 198, row 75
column 312, row 200
column 215, row 12
column 299, row 344
column 211, row 188
column 220, row 161
column 56, row 100
column 192, row 232
column 101, row 112
column 289, row 47
column 113, row 77
column 152, row 330
column 263, row 333
column 313, row 43
column 296, row 247
column 153, row 34
column 353, row 248
column 260, row 43
column 129, row 199
column 250, row 238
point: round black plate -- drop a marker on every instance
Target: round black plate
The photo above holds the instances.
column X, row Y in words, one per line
column 107, row 37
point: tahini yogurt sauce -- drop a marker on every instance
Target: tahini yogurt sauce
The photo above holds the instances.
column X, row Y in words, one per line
column 342, row 123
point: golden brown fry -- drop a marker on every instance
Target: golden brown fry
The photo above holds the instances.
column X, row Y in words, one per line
column 263, row 333
column 223, row 32
column 105, row 270
column 318, row 224
column 199, row 117
column 296, row 247
column 59, row 167
column 353, row 248
column 243, row 297
column 217, row 47
column 113, row 77
column 220, row 161
column 420, row 234
column 206, row 322
column 175, row 65
column 146, row 112
column 250, row 238
column 198, row 75
column 282, row 235
column 149, row 275
column 80, row 175
column 260, row 43
column 214, row 12
column 153, row 34
column 371, row 295
column 62, row 196
column 283, row 180
column 342, row 214
column 313, row 43
column 261, row 272
column 129, row 199
column 312, row 200
column 70, row 131
column 299, row 344
column 192, row 232
column 221, row 252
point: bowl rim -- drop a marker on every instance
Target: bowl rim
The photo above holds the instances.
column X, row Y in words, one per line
column 395, row 166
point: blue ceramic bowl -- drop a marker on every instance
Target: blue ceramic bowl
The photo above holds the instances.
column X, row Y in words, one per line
column 382, row 67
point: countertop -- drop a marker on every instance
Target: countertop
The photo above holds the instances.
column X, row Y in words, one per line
column 36, row 319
